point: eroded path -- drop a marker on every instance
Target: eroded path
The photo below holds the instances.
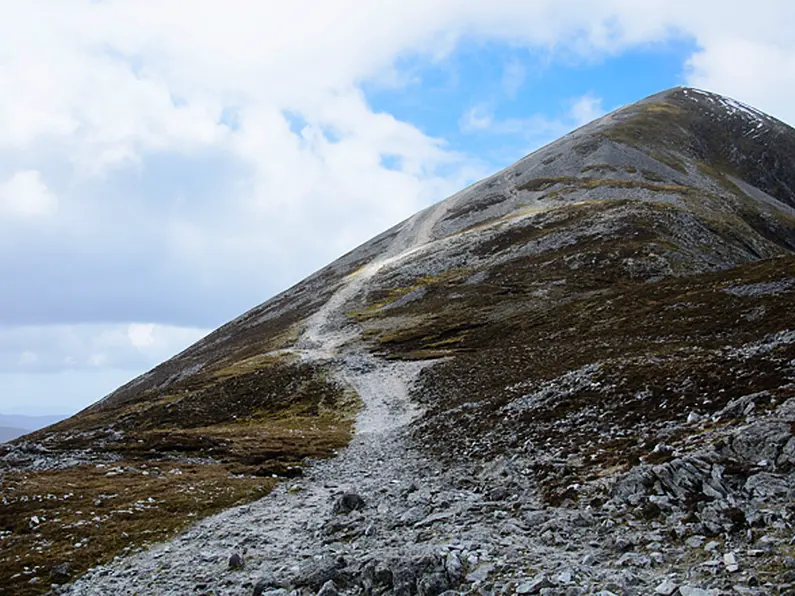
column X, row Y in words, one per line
column 290, row 529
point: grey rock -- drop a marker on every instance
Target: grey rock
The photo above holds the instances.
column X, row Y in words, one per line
column 499, row 493
column 236, row 561
column 328, row 589
column 564, row 577
column 347, row 503
column 691, row 591
column 404, row 581
column 763, row 440
column 61, row 573
column 383, row 575
column 622, row 544
column 454, row 567
column 267, row 585
column 765, row 485
column 666, row 588
column 413, row 515
column 535, row 585
column 318, row 573
column 433, row 518
column 433, row 584
column 480, row 573
column 730, row 561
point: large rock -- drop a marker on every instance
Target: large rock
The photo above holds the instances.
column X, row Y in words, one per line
column 348, row 502
column 765, row 485
column 316, row 574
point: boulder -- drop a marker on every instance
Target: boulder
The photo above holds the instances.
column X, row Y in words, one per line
column 236, row 561
column 328, row 589
column 348, row 502
column 61, row 573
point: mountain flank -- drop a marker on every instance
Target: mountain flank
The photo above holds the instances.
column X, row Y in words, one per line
column 576, row 376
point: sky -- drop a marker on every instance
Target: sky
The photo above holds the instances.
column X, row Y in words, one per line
column 167, row 165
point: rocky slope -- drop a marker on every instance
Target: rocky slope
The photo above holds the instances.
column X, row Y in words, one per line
column 576, row 376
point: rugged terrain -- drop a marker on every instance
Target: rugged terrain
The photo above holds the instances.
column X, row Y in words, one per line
column 576, row 376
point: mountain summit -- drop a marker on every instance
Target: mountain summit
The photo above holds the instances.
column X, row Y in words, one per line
column 575, row 375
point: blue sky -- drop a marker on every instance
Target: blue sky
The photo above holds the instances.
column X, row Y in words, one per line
column 518, row 83
column 165, row 167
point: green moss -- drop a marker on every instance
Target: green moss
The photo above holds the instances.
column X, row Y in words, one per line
column 602, row 167
column 653, row 176
column 392, row 295
column 540, row 184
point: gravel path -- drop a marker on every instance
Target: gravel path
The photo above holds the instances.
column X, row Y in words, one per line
column 280, row 532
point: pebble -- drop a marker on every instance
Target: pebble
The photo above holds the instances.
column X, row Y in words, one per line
column 730, row 561
column 666, row 588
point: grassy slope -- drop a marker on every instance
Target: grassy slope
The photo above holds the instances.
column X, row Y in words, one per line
column 176, row 455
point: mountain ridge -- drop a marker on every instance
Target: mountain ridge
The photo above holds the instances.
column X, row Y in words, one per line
column 360, row 254
column 600, row 332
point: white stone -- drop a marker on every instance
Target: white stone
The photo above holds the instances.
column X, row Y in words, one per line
column 730, row 561
column 666, row 588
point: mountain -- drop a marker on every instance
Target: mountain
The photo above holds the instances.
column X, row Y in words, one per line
column 8, row 433
column 575, row 375
column 16, row 425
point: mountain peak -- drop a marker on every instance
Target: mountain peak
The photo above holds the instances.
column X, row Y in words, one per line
column 716, row 130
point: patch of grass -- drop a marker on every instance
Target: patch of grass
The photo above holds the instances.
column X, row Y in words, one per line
column 601, row 167
column 653, row 176
column 540, row 184
column 389, row 296
column 87, row 515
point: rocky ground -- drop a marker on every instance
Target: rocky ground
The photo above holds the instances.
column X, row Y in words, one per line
column 384, row 518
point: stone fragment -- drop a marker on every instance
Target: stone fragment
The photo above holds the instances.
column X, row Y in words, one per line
column 666, row 588
column 534, row 586
column 454, row 567
column 348, row 502
column 691, row 591
column 328, row 589
column 765, row 485
column 236, row 561
column 61, row 573
column 433, row 584
column 730, row 561
column 564, row 577
column 318, row 573
column 267, row 585
column 383, row 575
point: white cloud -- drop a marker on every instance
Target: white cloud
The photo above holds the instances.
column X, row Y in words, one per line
column 476, row 118
column 52, row 348
column 513, row 77
column 141, row 335
column 27, row 358
column 536, row 129
column 24, row 194
column 586, row 108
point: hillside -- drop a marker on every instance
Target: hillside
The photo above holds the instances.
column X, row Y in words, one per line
column 575, row 375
